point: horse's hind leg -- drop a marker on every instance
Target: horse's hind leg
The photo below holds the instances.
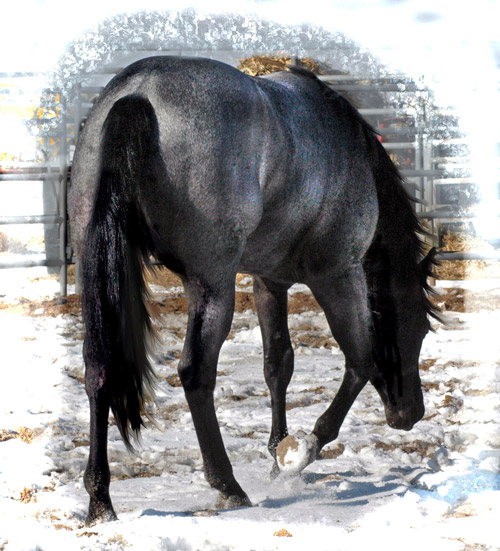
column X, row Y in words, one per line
column 271, row 301
column 97, row 475
column 210, row 312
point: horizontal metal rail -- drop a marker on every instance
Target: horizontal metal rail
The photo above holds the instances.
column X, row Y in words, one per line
column 368, row 79
column 395, row 87
column 29, row 177
column 462, row 255
column 428, row 173
column 36, row 219
column 382, row 111
column 91, row 89
column 465, row 180
column 399, row 145
column 441, row 214
column 27, row 263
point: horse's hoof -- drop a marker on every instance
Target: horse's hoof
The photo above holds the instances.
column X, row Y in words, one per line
column 99, row 514
column 294, row 453
column 232, row 502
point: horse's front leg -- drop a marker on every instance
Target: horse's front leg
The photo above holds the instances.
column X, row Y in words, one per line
column 271, row 301
column 210, row 311
column 97, row 476
column 344, row 300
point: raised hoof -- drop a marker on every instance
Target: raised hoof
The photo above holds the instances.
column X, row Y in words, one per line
column 99, row 514
column 294, row 453
column 232, row 502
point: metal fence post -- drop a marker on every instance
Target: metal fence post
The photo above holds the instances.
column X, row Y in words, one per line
column 63, row 164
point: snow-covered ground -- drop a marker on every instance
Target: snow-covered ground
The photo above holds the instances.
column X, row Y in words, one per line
column 376, row 488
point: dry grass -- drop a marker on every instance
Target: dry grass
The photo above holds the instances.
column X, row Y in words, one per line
column 427, row 363
column 297, row 303
column 466, row 269
column 425, row 449
column 283, row 533
column 465, row 300
column 28, row 495
column 163, row 277
column 22, row 433
column 259, row 65
column 332, row 452
column 472, row 546
column 46, row 307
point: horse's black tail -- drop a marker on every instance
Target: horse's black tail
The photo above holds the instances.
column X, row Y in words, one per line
column 116, row 250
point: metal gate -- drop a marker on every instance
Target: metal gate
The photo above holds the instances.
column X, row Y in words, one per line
column 51, row 173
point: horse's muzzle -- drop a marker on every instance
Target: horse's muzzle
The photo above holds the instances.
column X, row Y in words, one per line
column 404, row 419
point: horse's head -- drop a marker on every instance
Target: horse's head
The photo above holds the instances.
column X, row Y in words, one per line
column 399, row 329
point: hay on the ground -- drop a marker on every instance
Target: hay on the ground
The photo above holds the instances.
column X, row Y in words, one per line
column 259, row 65
column 466, row 269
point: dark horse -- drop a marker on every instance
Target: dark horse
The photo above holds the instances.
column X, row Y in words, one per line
column 213, row 172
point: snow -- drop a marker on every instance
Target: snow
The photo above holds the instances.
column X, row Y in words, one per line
column 437, row 485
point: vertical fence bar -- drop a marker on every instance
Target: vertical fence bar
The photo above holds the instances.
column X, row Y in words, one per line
column 63, row 163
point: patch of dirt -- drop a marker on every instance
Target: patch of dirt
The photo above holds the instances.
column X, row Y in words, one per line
column 297, row 303
column 426, row 449
column 59, row 520
column 453, row 300
column 283, row 533
column 139, row 470
column 472, row 546
column 426, row 386
column 178, row 305
column 427, row 363
column 464, row 510
column 251, row 434
column 452, row 402
column 47, row 307
column 302, row 402
column 172, row 412
column 87, row 534
column 174, row 380
column 465, row 300
column 81, row 443
column 302, row 302
column 28, row 495
column 317, row 390
column 22, row 433
column 332, row 452
column 315, row 341
column 163, row 277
